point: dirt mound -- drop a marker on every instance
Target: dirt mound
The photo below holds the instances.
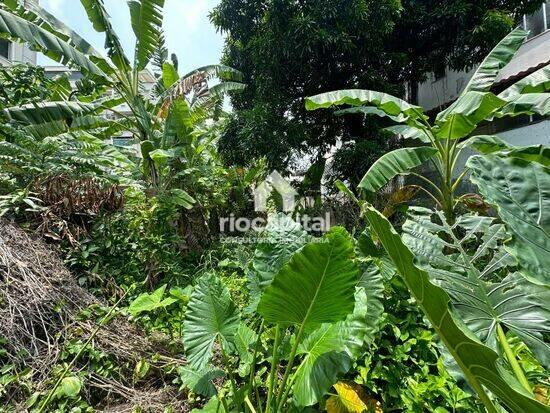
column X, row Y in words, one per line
column 42, row 308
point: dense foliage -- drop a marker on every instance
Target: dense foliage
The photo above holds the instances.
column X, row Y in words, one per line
column 289, row 49
column 406, row 305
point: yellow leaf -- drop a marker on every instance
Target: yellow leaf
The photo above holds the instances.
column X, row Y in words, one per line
column 351, row 398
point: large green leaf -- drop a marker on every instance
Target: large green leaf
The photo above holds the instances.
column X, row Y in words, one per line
column 281, row 238
column 371, row 111
column 179, row 197
column 317, row 285
column 149, row 302
column 95, row 9
column 169, row 75
column 200, row 380
column 485, row 144
column 32, row 12
column 517, row 304
column 219, row 71
column 537, row 153
column 357, row 97
column 500, row 56
column 244, row 345
column 215, row 93
column 529, row 104
column 36, row 113
column 43, row 130
column 54, row 47
column 52, row 24
column 537, row 82
column 409, row 132
column 463, row 116
column 371, row 282
column 521, row 306
column 330, row 350
column 480, row 364
column 394, row 163
column 520, row 190
column 211, row 316
column 146, row 16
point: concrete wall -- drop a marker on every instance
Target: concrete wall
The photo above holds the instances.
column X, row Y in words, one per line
column 529, row 135
column 534, row 134
column 435, row 93
column 534, row 53
column 19, row 53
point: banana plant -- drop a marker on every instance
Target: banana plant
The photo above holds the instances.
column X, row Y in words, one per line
column 123, row 76
column 315, row 313
column 441, row 142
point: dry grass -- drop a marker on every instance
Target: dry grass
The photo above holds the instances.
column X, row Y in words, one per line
column 40, row 310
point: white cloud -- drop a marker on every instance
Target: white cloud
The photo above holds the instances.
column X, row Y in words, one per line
column 188, row 30
column 56, row 7
column 188, row 15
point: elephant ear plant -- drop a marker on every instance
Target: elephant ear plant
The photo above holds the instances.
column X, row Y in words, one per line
column 469, row 314
column 469, row 260
column 315, row 313
column 442, row 141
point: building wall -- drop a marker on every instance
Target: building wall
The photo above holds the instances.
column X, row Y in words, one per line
column 438, row 92
column 535, row 134
column 19, row 53
column 529, row 135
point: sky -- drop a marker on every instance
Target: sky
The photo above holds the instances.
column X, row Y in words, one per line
column 188, row 31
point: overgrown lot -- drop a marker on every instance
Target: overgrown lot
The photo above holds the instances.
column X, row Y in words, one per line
column 120, row 291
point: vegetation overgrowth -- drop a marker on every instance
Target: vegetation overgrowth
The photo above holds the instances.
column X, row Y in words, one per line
column 419, row 298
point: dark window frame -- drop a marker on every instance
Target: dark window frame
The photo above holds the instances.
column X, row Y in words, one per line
column 5, row 48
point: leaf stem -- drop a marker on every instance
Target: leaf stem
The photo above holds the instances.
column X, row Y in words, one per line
column 252, row 378
column 282, row 388
column 247, row 401
column 518, row 371
column 224, row 403
column 229, row 371
column 274, row 365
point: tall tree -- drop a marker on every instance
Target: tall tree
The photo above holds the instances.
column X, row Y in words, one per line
column 288, row 49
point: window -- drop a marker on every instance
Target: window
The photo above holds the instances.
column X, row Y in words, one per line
column 440, row 73
column 5, row 48
column 123, row 142
column 538, row 22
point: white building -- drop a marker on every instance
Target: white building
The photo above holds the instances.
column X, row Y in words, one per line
column 13, row 52
column 439, row 91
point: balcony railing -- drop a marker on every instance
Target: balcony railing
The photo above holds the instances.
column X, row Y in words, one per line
column 538, row 22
